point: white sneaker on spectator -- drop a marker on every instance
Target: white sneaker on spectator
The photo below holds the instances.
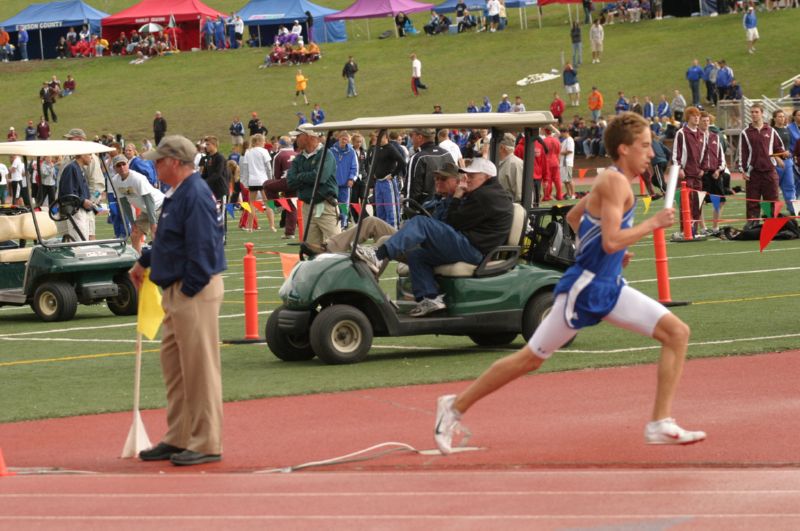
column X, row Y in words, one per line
column 428, row 306
column 666, row 431
column 369, row 257
column 448, row 425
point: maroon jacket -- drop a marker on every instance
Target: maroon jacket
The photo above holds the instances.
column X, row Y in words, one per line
column 756, row 146
column 714, row 158
column 688, row 151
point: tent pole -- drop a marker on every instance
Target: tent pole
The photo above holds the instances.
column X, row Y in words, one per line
column 569, row 12
column 539, row 10
column 41, row 46
column 259, row 36
column 368, row 37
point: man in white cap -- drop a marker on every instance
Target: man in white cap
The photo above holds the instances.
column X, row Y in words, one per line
column 478, row 219
column 323, row 221
column 134, row 189
column 185, row 260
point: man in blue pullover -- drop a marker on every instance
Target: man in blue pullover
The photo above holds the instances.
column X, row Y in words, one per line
column 346, row 173
column 693, row 76
column 751, row 31
column 186, row 260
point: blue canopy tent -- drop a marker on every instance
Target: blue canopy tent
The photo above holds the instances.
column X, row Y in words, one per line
column 51, row 21
column 476, row 7
column 264, row 18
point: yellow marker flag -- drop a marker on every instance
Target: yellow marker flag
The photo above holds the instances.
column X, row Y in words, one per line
column 647, row 201
column 246, row 206
column 150, row 311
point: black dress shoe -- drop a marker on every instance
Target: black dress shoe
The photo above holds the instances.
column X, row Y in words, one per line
column 160, row 452
column 188, row 457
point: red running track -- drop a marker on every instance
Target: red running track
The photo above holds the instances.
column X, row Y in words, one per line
column 561, row 450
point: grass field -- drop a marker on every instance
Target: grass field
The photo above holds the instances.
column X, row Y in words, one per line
column 742, row 299
column 741, row 303
column 199, row 93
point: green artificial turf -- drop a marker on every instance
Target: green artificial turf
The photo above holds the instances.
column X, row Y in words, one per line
column 86, row 365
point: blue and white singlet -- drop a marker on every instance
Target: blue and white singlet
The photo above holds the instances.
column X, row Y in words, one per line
column 594, row 282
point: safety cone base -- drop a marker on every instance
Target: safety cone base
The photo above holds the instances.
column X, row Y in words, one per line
column 4, row 471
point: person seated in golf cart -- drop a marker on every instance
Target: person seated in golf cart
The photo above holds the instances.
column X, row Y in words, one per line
column 478, row 219
column 372, row 227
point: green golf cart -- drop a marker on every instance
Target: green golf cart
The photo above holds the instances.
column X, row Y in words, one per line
column 51, row 275
column 333, row 306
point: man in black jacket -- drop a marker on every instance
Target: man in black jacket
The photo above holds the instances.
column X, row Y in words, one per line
column 478, row 220
column 349, row 73
column 428, row 158
column 159, row 128
column 215, row 169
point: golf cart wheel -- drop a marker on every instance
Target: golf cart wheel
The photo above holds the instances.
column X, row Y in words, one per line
column 341, row 334
column 286, row 347
column 493, row 340
column 55, row 301
column 127, row 300
column 535, row 312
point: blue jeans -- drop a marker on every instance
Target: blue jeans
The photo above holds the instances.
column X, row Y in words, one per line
column 577, row 53
column 351, row 87
column 786, row 183
column 427, row 243
column 23, row 51
column 695, row 86
column 386, row 201
column 596, row 115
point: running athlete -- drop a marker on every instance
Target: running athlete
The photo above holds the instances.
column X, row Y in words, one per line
column 593, row 290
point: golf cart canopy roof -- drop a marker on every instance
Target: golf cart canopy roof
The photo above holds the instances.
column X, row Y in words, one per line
column 51, row 148
column 511, row 121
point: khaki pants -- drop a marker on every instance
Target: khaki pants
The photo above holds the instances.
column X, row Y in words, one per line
column 371, row 228
column 85, row 222
column 323, row 227
column 190, row 362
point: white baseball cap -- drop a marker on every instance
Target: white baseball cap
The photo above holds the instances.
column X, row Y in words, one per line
column 480, row 165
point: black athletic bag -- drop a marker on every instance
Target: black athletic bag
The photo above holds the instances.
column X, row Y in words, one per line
column 552, row 241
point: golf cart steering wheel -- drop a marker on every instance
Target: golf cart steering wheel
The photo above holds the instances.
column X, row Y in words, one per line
column 415, row 208
column 67, row 205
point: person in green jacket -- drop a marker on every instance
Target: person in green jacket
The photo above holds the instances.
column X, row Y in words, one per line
column 322, row 221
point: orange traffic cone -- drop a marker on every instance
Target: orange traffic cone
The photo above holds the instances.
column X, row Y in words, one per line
column 3, row 470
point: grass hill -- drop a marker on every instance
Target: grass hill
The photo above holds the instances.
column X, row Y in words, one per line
column 199, row 93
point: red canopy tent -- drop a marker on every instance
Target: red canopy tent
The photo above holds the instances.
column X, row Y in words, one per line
column 189, row 15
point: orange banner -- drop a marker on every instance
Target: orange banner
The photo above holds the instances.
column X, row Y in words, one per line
column 288, row 261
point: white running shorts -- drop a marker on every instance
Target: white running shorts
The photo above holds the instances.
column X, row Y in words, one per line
column 634, row 311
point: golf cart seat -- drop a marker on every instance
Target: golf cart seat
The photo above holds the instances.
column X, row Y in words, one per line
column 497, row 261
column 21, row 227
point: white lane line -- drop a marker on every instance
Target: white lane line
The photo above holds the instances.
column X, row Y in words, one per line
column 719, row 274
column 691, row 344
column 405, row 516
column 718, row 254
column 67, row 340
column 123, row 325
column 348, row 494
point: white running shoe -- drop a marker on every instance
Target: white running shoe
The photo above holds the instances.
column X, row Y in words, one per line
column 369, row 257
column 428, row 306
column 448, row 425
column 666, row 431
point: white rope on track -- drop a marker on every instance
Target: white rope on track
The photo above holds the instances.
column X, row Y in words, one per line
column 364, row 455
